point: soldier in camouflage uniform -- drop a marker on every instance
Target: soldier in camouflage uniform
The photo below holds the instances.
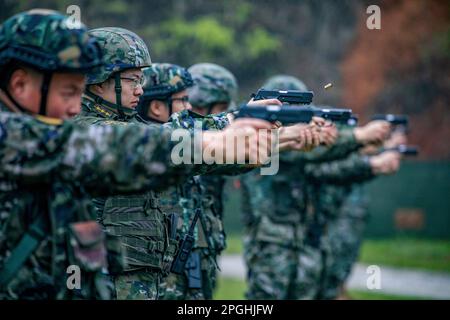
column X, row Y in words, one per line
column 326, row 190
column 215, row 91
column 111, row 97
column 140, row 221
column 35, row 219
column 48, row 166
column 277, row 223
column 165, row 95
column 338, row 192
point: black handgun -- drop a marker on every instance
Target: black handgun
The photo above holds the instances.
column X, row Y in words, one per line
column 333, row 114
column 284, row 114
column 404, row 150
column 292, row 114
column 285, row 96
column 185, row 247
column 394, row 119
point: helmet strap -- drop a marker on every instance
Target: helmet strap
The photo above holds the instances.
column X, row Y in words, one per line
column 118, row 90
column 169, row 106
column 209, row 108
column 44, row 93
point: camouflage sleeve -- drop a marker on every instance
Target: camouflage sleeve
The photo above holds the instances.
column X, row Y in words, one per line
column 187, row 119
column 345, row 144
column 103, row 159
column 354, row 168
column 190, row 120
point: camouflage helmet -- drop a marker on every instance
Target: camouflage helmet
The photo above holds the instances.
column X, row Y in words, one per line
column 213, row 84
column 122, row 49
column 162, row 80
column 49, row 42
column 284, row 82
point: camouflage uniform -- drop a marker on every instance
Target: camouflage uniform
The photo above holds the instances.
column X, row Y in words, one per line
column 213, row 84
column 137, row 219
column 329, row 184
column 345, row 234
column 38, row 157
column 36, row 218
column 275, row 213
column 162, row 81
column 51, row 166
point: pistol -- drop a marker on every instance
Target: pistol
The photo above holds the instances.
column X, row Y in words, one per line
column 404, row 150
column 394, row 119
column 288, row 114
column 285, row 96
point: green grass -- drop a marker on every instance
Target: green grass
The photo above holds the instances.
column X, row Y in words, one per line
column 234, row 289
column 402, row 252
column 432, row 255
column 366, row 295
column 234, row 244
column 230, row 289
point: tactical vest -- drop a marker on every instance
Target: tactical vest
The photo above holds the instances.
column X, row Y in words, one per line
column 179, row 200
column 137, row 221
column 143, row 230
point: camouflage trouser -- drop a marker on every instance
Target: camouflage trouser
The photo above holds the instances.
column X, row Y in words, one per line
column 137, row 285
column 272, row 255
column 271, row 270
column 310, row 277
column 176, row 287
column 345, row 237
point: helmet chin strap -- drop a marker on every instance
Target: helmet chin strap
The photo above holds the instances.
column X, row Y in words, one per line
column 209, row 109
column 118, row 89
column 169, row 106
column 114, row 106
column 44, row 93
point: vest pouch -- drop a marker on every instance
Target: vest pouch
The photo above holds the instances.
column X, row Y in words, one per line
column 169, row 255
column 116, row 255
column 141, row 228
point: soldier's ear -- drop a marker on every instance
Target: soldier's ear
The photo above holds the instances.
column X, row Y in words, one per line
column 156, row 108
column 18, row 82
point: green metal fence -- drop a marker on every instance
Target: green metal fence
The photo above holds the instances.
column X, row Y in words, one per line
column 416, row 202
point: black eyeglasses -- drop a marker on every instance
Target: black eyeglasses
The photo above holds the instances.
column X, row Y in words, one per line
column 136, row 81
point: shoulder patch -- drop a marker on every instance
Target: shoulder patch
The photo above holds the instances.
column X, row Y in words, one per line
column 113, row 122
